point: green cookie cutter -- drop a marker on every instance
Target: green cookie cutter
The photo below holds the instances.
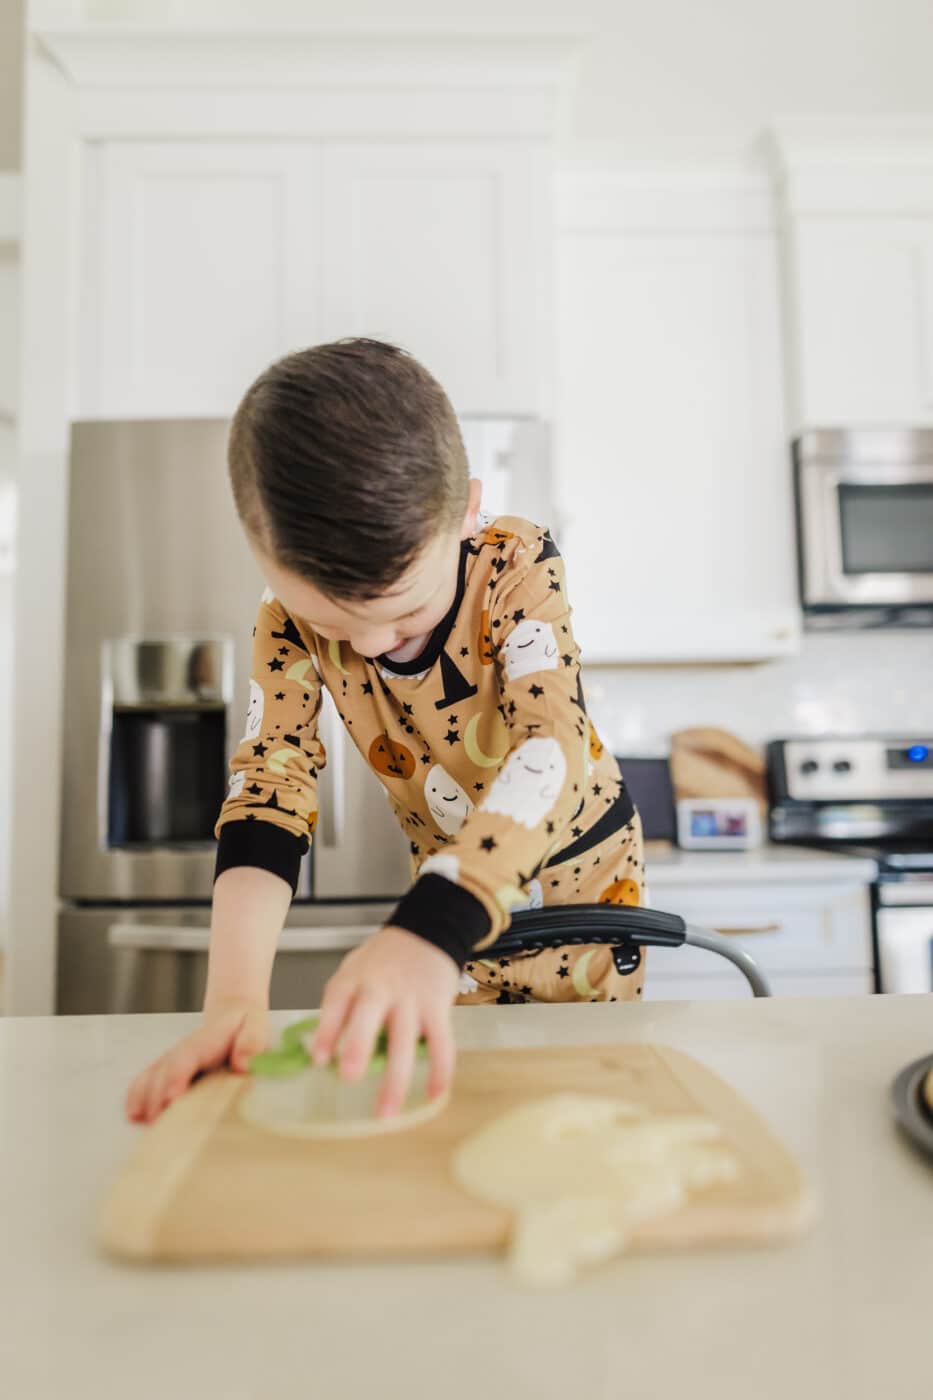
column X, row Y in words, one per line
column 291, row 1057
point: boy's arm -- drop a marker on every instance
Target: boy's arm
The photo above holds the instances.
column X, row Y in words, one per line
column 406, row 976
column 464, row 895
column 271, row 805
column 263, row 831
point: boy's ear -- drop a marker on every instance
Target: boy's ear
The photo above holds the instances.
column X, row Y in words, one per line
column 472, row 511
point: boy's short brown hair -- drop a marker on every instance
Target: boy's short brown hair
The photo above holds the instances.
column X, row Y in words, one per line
column 345, row 460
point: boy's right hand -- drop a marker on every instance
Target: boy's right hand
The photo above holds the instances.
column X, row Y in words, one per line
column 231, row 1032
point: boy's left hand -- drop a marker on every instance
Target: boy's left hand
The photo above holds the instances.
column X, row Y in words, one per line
column 397, row 980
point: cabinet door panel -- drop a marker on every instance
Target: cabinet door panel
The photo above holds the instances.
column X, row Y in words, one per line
column 432, row 248
column 864, row 310
column 672, row 461
column 205, row 270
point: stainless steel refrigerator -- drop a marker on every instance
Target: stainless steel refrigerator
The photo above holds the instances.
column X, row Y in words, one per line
column 162, row 590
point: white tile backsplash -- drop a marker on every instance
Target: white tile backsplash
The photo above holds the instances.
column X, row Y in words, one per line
column 871, row 681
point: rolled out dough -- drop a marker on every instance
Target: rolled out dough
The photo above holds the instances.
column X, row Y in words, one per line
column 581, row 1172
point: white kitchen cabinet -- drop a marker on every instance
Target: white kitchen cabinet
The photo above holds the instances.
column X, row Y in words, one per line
column 672, row 464
column 808, row 940
column 435, row 247
column 202, row 265
column 862, row 292
column 207, row 259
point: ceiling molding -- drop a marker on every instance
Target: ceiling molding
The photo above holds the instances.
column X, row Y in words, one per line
column 855, row 166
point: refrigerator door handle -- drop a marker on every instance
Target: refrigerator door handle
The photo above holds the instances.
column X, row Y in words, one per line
column 331, row 829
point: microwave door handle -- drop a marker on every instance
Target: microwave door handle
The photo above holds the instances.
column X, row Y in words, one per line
column 332, row 782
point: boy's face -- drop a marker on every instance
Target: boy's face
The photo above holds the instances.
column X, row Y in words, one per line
column 411, row 608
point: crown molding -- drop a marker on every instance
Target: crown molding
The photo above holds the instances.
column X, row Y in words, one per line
column 351, row 80
column 862, row 166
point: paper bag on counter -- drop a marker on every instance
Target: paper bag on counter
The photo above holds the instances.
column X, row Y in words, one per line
column 714, row 763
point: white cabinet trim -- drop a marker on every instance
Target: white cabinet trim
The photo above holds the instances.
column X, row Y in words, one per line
column 866, row 166
column 315, row 80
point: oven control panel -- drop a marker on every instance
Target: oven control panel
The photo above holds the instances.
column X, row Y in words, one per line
column 875, row 769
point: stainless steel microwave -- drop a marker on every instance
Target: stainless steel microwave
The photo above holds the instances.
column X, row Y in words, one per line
column 865, row 525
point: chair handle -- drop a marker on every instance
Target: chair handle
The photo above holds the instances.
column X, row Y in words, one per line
column 560, row 925
column 619, row 925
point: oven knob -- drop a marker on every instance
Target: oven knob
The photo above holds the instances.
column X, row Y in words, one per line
column 809, row 765
column 842, row 765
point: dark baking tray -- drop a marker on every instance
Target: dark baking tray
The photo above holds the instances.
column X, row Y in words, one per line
column 911, row 1110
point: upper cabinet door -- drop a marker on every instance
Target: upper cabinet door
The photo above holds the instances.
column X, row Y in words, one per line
column 208, row 259
column 437, row 248
column 202, row 266
column 673, row 467
column 863, row 308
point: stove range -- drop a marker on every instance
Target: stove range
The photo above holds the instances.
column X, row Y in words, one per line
column 868, row 795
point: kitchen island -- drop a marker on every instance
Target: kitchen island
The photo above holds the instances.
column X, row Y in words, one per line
column 843, row 1312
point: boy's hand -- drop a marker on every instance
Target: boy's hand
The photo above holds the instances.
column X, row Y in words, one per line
column 232, row 1031
column 397, row 980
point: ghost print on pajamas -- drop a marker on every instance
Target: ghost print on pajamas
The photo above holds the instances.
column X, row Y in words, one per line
column 529, row 783
column 530, row 646
column 235, row 786
column 254, row 710
column 447, row 802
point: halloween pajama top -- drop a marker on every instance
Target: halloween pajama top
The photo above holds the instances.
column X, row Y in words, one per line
column 489, row 761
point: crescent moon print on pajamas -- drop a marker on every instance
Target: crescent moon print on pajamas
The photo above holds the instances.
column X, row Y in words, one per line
column 529, row 647
column 474, row 751
column 254, row 710
column 529, row 783
column 447, row 802
column 298, row 671
column 235, row 786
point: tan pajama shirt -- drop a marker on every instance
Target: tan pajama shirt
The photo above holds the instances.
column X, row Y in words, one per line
column 488, row 758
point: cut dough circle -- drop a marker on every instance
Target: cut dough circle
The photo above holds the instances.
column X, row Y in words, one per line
column 317, row 1104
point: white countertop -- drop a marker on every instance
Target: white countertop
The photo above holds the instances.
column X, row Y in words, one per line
column 842, row 1313
column 767, row 864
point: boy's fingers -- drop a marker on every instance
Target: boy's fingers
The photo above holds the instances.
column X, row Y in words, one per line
column 363, row 1025
column 250, row 1040
column 403, row 1036
column 136, row 1097
column 334, row 1010
column 442, row 1051
column 154, row 1093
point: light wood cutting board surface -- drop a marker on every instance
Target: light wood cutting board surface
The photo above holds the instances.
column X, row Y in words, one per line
column 203, row 1184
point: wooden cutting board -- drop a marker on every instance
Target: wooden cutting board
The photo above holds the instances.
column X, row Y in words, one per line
column 203, row 1184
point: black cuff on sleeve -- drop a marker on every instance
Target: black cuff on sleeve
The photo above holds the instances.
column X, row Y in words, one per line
column 262, row 845
column 444, row 914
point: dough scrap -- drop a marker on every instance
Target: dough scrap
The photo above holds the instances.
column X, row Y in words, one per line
column 582, row 1172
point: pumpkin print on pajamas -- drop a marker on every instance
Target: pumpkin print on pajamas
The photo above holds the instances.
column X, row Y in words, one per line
column 390, row 758
column 495, row 536
column 596, row 744
column 621, row 892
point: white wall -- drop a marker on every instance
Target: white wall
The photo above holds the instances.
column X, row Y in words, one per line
column 879, row 682
column 669, row 80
